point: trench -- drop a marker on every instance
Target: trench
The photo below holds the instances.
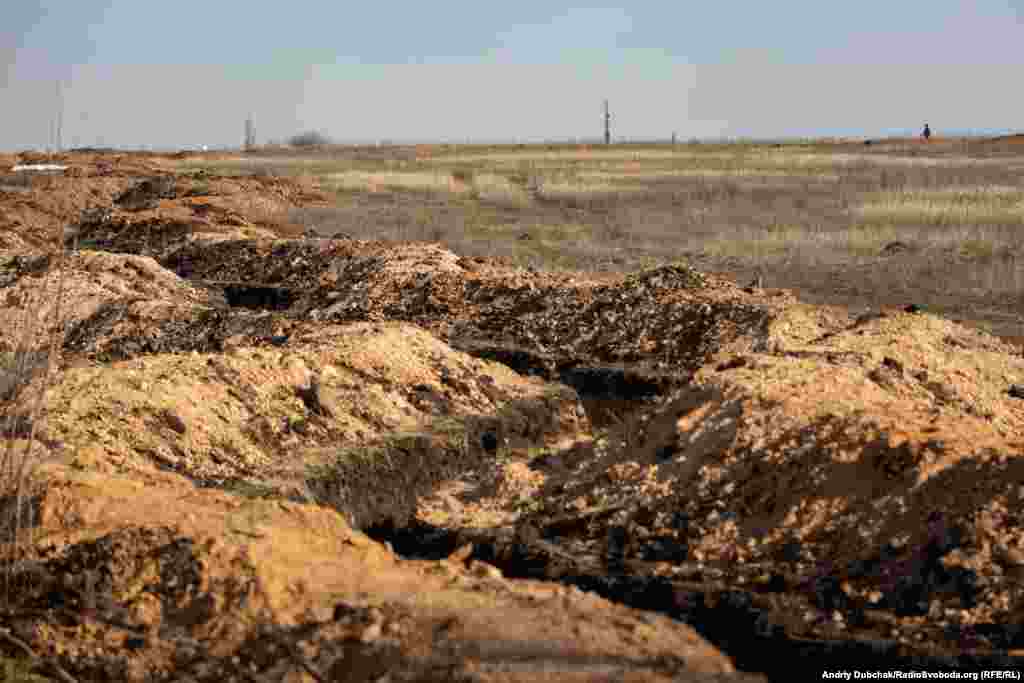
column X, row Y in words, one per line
column 724, row 617
column 608, row 392
column 258, row 297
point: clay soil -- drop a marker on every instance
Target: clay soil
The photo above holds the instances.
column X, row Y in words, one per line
column 262, row 454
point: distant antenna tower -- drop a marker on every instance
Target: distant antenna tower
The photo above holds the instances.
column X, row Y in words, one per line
column 607, row 125
column 250, row 133
column 60, row 116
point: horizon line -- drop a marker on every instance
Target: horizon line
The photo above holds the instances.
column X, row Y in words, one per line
column 589, row 141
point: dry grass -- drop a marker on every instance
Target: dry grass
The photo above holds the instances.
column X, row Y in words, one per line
column 804, row 214
column 24, row 378
column 948, row 207
column 25, row 374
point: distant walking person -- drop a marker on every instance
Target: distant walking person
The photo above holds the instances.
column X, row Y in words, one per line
column 927, row 134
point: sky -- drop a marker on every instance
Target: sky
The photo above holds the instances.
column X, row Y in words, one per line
column 137, row 73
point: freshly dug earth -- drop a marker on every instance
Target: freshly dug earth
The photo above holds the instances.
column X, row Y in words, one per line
column 868, row 478
column 232, row 403
column 367, row 416
column 205, row 465
column 37, row 208
column 145, row 577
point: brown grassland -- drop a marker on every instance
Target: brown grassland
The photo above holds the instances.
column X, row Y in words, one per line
column 865, row 226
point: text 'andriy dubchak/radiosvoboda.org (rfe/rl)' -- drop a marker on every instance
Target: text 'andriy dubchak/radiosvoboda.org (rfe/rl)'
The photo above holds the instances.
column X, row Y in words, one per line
column 988, row 675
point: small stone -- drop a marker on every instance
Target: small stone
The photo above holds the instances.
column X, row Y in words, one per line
column 893, row 364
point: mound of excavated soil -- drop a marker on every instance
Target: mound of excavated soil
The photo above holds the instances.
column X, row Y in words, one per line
column 37, row 207
column 854, row 440
column 150, row 579
column 883, row 455
column 362, row 417
column 670, row 318
column 86, row 285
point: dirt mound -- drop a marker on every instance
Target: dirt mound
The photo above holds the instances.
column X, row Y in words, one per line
column 233, row 589
column 881, row 456
column 158, row 236
column 353, row 406
column 138, row 188
column 311, row 264
column 160, row 215
column 87, row 283
column 671, row 317
column 128, row 328
column 915, row 418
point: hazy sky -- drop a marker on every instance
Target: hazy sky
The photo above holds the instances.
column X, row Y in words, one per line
column 187, row 73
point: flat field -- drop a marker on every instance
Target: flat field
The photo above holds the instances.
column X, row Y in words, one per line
column 865, row 226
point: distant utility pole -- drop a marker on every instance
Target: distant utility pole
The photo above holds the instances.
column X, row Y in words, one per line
column 250, row 133
column 607, row 125
column 57, row 122
column 60, row 116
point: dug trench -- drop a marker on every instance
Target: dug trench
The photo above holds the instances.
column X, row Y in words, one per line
column 743, row 622
column 739, row 621
column 729, row 618
column 746, row 624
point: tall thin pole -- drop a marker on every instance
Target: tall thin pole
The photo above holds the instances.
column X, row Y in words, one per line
column 60, row 115
column 250, row 133
column 607, row 125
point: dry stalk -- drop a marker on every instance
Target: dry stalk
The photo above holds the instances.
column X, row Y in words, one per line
column 29, row 362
